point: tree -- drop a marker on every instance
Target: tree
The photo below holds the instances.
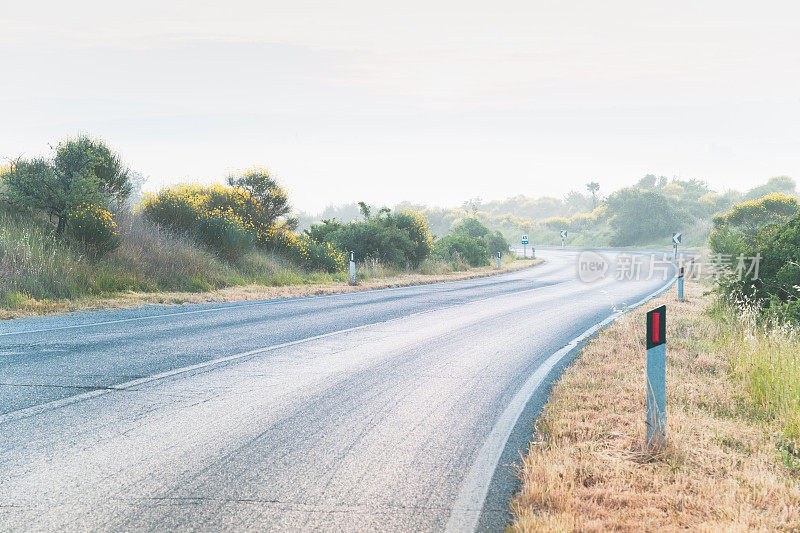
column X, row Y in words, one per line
column 576, row 202
column 268, row 200
column 593, row 187
column 472, row 227
column 366, row 212
column 782, row 184
column 113, row 177
column 639, row 217
column 83, row 171
column 647, row 182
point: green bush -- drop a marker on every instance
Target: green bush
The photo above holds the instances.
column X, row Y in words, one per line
column 777, row 289
column 472, row 242
column 396, row 239
column 463, row 247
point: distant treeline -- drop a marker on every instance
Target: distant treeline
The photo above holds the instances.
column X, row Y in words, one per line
column 644, row 214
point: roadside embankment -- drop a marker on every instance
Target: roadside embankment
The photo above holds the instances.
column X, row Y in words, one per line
column 731, row 462
column 373, row 278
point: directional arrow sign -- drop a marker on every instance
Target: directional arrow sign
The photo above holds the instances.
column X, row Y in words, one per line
column 676, row 238
column 563, row 234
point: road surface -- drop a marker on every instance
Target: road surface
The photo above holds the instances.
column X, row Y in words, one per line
column 396, row 409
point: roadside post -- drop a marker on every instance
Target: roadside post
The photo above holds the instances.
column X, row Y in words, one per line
column 352, row 268
column 563, row 237
column 533, row 252
column 676, row 240
column 524, row 243
column 680, row 285
column 656, row 377
column 691, row 268
column 498, row 259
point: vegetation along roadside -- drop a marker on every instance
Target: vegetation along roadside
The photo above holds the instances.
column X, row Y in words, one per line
column 732, row 462
column 76, row 233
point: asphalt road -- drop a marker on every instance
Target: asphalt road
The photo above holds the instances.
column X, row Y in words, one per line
column 397, row 409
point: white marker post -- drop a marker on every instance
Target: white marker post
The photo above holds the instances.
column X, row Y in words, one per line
column 533, row 252
column 498, row 259
column 352, row 268
column 676, row 240
column 691, row 268
column 656, row 377
column 680, row 285
column 524, row 242
column 563, row 237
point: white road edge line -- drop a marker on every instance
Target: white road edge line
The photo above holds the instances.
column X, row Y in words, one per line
column 469, row 503
column 55, row 404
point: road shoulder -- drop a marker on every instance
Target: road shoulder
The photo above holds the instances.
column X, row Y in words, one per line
column 587, row 468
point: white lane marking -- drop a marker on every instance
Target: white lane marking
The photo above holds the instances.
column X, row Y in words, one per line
column 55, row 404
column 468, row 505
column 254, row 303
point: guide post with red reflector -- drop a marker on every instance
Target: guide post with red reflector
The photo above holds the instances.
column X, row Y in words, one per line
column 656, row 377
column 680, row 285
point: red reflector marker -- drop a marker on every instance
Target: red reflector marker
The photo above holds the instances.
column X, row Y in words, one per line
column 656, row 328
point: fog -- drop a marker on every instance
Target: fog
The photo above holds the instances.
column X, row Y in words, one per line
column 427, row 104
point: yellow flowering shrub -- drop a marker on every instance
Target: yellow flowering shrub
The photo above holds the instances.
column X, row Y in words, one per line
column 189, row 209
column 94, row 227
column 229, row 221
column 751, row 225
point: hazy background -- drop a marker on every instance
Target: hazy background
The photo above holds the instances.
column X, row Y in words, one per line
column 427, row 102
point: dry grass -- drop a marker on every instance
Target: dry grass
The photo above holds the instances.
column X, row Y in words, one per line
column 257, row 292
column 721, row 471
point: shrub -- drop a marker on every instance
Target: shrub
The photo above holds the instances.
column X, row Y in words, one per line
column 264, row 203
column 556, row 223
column 94, row 227
column 396, row 239
column 416, row 226
column 776, row 291
column 206, row 213
column 231, row 220
column 749, row 225
column 470, row 242
column 306, row 251
column 496, row 243
column 462, row 246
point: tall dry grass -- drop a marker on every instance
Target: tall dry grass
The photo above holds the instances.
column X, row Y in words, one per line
column 38, row 267
column 35, row 264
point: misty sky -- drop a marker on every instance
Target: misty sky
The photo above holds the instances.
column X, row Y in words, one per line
column 432, row 102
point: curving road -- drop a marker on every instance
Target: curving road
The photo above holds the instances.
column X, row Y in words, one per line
column 396, row 409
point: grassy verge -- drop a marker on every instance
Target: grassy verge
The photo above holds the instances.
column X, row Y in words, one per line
column 41, row 273
column 278, row 280
column 731, row 463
